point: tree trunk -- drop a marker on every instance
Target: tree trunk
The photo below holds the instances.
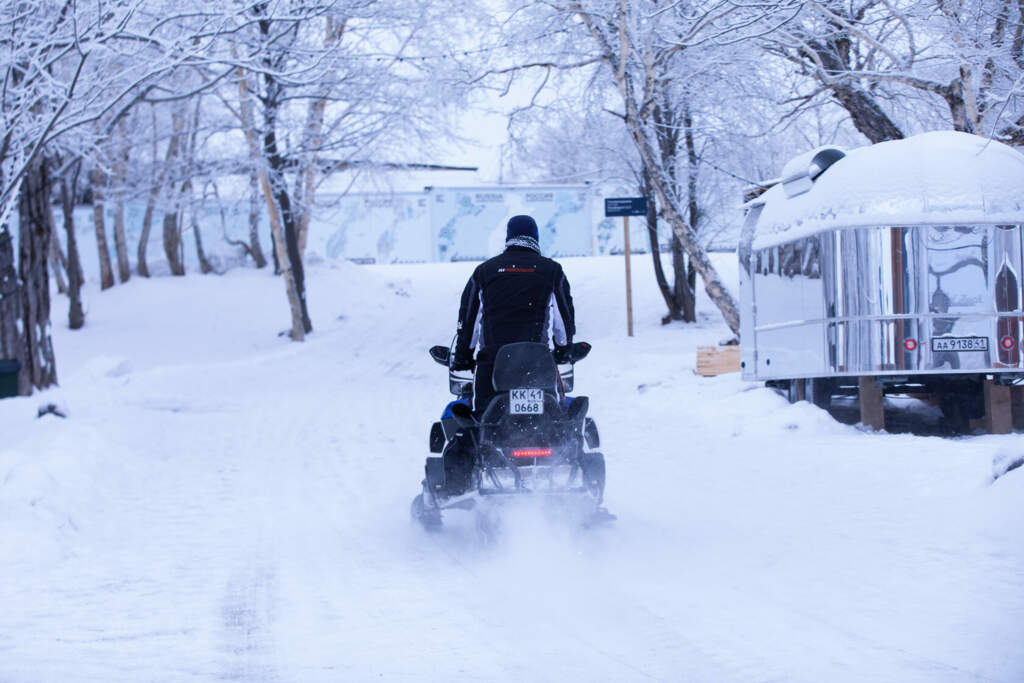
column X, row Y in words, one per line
column 685, row 274
column 289, row 248
column 255, row 175
column 40, row 368
column 959, row 111
column 188, row 193
column 255, row 248
column 106, row 270
column 161, row 179
column 276, row 248
column 204, row 263
column 76, row 316
column 147, row 226
column 307, row 188
column 659, row 270
column 172, row 242
column 867, row 116
column 666, row 132
column 298, row 332
column 156, row 180
column 12, row 345
column 684, row 295
column 273, row 97
column 288, row 243
column 691, row 287
column 333, row 33
column 58, row 263
column 173, row 248
column 124, row 268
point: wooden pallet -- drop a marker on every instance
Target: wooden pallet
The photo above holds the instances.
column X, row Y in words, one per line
column 717, row 360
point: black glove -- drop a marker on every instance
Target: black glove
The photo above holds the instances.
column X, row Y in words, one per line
column 561, row 354
column 463, row 363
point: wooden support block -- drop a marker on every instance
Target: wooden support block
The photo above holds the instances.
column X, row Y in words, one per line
column 717, row 360
column 998, row 413
column 872, row 407
column 1017, row 406
column 801, row 390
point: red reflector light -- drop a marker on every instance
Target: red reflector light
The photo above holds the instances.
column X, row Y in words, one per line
column 531, row 452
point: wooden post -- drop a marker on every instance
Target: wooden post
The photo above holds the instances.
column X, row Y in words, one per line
column 872, row 407
column 998, row 416
column 629, row 280
column 626, row 207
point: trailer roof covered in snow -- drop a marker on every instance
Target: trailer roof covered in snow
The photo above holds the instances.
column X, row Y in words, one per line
column 938, row 178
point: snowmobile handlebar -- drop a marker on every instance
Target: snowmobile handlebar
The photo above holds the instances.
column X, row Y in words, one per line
column 571, row 354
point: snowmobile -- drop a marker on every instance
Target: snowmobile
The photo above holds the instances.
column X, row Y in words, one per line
column 531, row 442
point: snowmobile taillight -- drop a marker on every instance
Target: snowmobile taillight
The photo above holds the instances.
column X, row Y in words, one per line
column 531, row 453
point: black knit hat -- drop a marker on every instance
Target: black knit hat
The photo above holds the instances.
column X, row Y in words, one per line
column 522, row 232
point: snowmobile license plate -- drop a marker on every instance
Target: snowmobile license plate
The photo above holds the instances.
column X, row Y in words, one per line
column 526, row 402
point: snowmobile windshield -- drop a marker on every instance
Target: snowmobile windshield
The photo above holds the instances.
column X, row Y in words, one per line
column 525, row 365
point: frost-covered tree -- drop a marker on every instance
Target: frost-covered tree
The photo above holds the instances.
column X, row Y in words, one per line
column 324, row 87
column 117, row 94
column 579, row 137
column 900, row 66
column 638, row 44
column 43, row 55
column 70, row 71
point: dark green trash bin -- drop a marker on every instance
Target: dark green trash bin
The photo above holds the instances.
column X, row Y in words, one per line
column 9, row 370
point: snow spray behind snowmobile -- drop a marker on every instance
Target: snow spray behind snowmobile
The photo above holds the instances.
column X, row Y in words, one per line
column 531, row 440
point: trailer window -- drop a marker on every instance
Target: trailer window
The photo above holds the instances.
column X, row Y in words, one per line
column 788, row 285
column 796, row 259
column 812, row 258
column 958, row 268
column 789, row 259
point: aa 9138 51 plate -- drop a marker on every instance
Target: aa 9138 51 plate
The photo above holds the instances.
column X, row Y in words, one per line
column 959, row 343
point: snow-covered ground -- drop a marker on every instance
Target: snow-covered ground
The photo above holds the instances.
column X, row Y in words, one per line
column 221, row 503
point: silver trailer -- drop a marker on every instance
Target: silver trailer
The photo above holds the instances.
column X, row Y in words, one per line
column 893, row 268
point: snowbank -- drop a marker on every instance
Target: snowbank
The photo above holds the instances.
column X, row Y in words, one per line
column 224, row 504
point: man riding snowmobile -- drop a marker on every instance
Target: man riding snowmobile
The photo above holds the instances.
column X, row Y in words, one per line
column 517, row 296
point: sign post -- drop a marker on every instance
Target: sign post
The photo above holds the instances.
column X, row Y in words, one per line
column 626, row 207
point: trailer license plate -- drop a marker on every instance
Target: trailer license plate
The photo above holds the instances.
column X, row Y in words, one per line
column 959, row 343
column 526, row 402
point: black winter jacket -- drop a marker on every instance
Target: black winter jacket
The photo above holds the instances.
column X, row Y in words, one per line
column 516, row 296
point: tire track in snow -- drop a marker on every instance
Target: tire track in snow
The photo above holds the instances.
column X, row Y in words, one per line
column 579, row 616
column 247, row 616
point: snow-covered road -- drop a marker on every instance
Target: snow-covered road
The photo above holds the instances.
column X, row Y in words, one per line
column 223, row 504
